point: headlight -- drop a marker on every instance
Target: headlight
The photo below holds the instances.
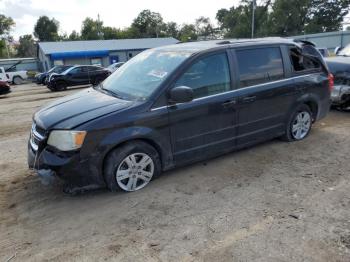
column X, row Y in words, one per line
column 66, row 140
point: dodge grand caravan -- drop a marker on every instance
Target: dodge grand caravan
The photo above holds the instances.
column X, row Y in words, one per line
column 174, row 105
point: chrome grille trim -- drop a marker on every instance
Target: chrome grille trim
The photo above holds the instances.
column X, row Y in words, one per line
column 35, row 138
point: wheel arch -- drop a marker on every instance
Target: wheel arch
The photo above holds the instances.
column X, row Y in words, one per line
column 146, row 135
column 312, row 101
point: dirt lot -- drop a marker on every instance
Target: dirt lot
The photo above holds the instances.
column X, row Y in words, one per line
column 274, row 202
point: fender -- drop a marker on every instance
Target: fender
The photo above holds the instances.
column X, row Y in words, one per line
column 306, row 99
column 155, row 138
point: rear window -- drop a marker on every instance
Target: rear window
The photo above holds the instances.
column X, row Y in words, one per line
column 302, row 63
column 261, row 65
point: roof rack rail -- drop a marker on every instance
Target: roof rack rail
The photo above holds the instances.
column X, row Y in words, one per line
column 225, row 42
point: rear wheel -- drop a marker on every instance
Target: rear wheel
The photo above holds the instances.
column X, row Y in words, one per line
column 131, row 166
column 299, row 124
column 60, row 86
column 17, row 80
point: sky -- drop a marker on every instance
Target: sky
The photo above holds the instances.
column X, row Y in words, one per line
column 117, row 13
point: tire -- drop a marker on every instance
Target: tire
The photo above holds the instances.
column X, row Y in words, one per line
column 97, row 81
column 17, row 80
column 123, row 166
column 59, row 86
column 299, row 124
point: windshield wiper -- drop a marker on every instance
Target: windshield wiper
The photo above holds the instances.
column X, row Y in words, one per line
column 110, row 92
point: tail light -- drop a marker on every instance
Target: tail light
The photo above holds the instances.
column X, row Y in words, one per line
column 330, row 82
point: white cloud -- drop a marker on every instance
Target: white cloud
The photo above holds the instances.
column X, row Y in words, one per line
column 117, row 13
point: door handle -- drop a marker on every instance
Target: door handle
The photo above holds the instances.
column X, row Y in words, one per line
column 229, row 103
column 248, row 99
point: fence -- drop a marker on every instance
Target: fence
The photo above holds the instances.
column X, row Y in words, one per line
column 329, row 40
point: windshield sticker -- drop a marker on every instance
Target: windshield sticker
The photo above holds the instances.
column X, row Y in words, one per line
column 158, row 73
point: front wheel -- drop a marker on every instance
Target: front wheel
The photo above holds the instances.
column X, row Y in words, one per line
column 131, row 166
column 17, row 80
column 59, row 86
column 299, row 124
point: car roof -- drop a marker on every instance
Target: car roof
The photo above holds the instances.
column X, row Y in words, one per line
column 193, row 47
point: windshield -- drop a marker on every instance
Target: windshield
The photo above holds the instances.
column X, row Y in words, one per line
column 61, row 69
column 345, row 51
column 140, row 76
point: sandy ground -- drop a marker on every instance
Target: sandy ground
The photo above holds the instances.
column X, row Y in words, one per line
column 273, row 202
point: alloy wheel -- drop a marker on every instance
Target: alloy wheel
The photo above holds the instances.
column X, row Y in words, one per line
column 301, row 125
column 135, row 171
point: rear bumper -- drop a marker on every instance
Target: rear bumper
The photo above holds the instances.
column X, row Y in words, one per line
column 69, row 168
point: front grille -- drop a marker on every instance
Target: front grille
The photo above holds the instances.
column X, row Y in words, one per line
column 37, row 136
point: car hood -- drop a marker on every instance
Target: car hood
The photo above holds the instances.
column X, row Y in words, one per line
column 338, row 64
column 74, row 110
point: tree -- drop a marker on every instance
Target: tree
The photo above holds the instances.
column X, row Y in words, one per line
column 171, row 29
column 204, row 27
column 326, row 15
column 91, row 29
column 110, row 33
column 6, row 25
column 74, row 36
column 26, row 47
column 237, row 22
column 46, row 29
column 148, row 24
column 187, row 33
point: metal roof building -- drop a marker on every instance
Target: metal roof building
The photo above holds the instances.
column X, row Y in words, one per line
column 97, row 52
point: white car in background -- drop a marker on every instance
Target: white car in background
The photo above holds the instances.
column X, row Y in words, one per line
column 115, row 66
column 11, row 76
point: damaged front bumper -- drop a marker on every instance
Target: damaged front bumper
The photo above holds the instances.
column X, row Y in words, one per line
column 52, row 167
column 340, row 95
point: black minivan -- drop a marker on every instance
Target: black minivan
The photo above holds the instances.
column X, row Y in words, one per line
column 177, row 104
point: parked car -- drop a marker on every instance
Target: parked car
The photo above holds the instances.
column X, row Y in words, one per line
column 12, row 75
column 339, row 65
column 324, row 51
column 4, row 88
column 77, row 75
column 41, row 77
column 115, row 66
column 178, row 104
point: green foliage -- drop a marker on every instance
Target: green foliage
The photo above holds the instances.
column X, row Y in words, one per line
column 148, row 24
column 26, row 47
column 326, row 15
column 91, row 29
column 6, row 24
column 204, row 27
column 74, row 36
column 283, row 17
column 110, row 33
column 46, row 29
column 171, row 29
column 187, row 33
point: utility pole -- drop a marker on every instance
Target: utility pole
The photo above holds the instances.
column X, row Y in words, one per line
column 253, row 17
column 99, row 29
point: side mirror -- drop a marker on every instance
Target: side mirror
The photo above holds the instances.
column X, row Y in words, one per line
column 181, row 94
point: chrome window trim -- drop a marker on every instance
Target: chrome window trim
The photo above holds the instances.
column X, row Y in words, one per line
column 238, row 89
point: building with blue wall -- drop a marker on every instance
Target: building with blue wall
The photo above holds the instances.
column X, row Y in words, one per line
column 95, row 52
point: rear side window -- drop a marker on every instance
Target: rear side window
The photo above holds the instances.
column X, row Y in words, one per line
column 302, row 63
column 207, row 76
column 257, row 66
